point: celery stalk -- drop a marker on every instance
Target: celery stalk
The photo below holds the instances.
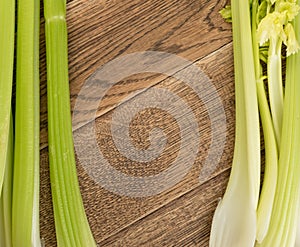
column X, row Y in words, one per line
column 266, row 198
column 72, row 228
column 267, row 195
column 25, row 205
column 3, row 225
column 234, row 222
column 6, row 196
column 275, row 86
column 284, row 218
column 297, row 243
column 7, row 26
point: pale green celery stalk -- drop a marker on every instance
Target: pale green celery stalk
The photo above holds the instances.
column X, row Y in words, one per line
column 284, row 219
column 72, row 228
column 234, row 222
column 7, row 27
column 6, row 196
column 25, row 204
column 2, row 226
column 297, row 244
column 267, row 195
column 275, row 86
column 266, row 198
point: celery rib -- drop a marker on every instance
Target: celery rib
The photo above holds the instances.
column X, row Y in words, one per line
column 297, row 243
column 25, row 205
column 7, row 27
column 72, row 228
column 267, row 195
column 234, row 222
column 275, row 86
column 6, row 196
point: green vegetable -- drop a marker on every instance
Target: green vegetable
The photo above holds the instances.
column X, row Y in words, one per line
column 25, row 205
column 284, row 219
column 7, row 26
column 297, row 243
column 266, row 198
column 6, row 196
column 226, row 13
column 272, row 24
column 234, row 222
column 72, row 228
column 275, row 28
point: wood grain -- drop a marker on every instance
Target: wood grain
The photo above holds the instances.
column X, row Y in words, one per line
column 185, row 221
column 102, row 31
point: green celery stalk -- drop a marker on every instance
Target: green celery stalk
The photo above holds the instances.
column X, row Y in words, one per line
column 6, row 196
column 25, row 205
column 7, row 27
column 234, row 222
column 266, row 198
column 274, row 67
column 297, row 243
column 72, row 228
column 284, row 218
column 267, row 195
column 2, row 225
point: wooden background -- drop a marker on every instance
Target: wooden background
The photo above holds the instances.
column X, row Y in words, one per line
column 101, row 30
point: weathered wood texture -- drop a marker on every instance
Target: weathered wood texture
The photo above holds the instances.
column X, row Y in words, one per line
column 100, row 31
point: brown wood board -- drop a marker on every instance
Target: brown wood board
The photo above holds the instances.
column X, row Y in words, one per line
column 100, row 31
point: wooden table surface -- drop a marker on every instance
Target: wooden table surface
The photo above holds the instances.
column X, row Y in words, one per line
column 103, row 30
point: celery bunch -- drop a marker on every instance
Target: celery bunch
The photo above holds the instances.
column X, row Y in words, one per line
column 19, row 133
column 283, row 225
column 269, row 25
